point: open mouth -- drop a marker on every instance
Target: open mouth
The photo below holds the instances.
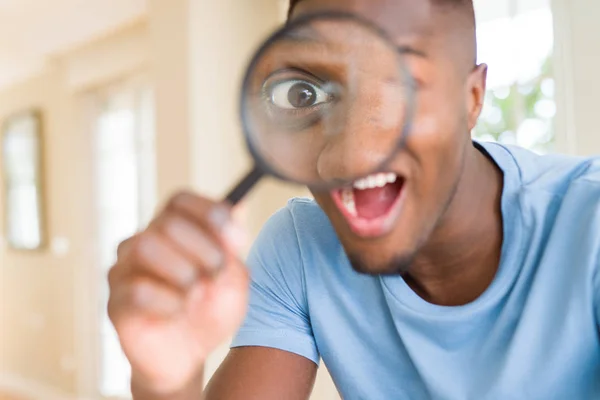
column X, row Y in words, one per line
column 371, row 204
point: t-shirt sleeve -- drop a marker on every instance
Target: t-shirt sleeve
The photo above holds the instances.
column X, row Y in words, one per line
column 278, row 313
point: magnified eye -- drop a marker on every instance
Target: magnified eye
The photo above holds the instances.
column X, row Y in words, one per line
column 297, row 94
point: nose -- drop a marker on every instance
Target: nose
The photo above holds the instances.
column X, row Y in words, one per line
column 366, row 135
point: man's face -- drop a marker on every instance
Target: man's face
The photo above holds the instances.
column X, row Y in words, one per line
column 392, row 223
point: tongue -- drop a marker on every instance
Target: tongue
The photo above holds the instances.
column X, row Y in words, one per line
column 374, row 203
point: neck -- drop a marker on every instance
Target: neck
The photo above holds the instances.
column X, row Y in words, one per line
column 461, row 258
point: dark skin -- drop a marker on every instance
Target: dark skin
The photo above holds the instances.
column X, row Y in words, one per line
column 171, row 310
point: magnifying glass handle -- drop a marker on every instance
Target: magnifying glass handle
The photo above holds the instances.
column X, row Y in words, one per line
column 244, row 186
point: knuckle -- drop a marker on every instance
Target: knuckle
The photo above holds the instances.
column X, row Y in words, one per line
column 178, row 198
column 115, row 303
column 111, row 309
column 166, row 222
column 170, row 226
column 123, row 245
column 138, row 248
column 112, row 276
column 139, row 292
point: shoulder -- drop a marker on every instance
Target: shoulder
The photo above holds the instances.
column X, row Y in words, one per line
column 558, row 194
column 310, row 221
column 557, row 198
column 293, row 233
column 553, row 174
column 300, row 217
column 290, row 247
column 561, row 194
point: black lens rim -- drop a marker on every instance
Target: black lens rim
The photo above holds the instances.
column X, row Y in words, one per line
column 410, row 105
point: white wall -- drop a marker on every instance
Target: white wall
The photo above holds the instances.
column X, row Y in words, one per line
column 47, row 308
column 577, row 66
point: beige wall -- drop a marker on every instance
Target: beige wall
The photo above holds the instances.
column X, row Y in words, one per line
column 577, row 66
column 46, row 296
column 37, row 289
column 170, row 71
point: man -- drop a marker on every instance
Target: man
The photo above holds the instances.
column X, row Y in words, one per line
column 480, row 282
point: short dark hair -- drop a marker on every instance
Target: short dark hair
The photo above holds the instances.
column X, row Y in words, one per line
column 454, row 8
column 441, row 3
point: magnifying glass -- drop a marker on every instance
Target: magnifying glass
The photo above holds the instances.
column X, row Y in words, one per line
column 321, row 84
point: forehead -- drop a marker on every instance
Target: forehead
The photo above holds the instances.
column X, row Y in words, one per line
column 402, row 19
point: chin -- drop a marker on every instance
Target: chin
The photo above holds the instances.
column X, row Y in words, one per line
column 371, row 226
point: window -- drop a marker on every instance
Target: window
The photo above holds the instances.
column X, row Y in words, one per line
column 126, row 196
column 515, row 38
column 21, row 151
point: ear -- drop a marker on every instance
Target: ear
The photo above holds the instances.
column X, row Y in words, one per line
column 476, row 85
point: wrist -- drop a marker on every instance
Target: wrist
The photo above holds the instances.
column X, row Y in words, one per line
column 142, row 389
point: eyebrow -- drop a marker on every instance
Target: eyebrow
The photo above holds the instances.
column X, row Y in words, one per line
column 306, row 35
column 411, row 51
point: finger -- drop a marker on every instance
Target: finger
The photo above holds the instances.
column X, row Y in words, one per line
column 116, row 275
column 214, row 216
column 145, row 296
column 153, row 255
column 198, row 245
column 124, row 246
column 199, row 209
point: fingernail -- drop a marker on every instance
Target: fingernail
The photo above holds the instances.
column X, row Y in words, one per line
column 234, row 235
column 214, row 259
column 187, row 276
column 142, row 295
column 195, row 296
column 219, row 216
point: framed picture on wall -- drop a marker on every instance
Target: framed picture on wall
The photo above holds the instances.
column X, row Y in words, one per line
column 21, row 149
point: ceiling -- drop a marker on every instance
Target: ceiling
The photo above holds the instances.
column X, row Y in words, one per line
column 32, row 30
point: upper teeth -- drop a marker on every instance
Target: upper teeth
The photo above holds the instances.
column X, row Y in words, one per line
column 376, row 180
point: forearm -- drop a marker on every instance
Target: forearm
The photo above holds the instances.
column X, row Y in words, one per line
column 193, row 391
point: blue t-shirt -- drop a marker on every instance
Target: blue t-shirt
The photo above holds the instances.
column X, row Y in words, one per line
column 533, row 334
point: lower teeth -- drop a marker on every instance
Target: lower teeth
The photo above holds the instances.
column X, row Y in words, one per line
column 348, row 201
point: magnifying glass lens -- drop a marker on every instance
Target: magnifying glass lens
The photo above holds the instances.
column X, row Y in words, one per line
column 326, row 101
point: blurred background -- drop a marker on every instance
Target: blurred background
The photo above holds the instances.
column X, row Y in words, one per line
column 109, row 106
